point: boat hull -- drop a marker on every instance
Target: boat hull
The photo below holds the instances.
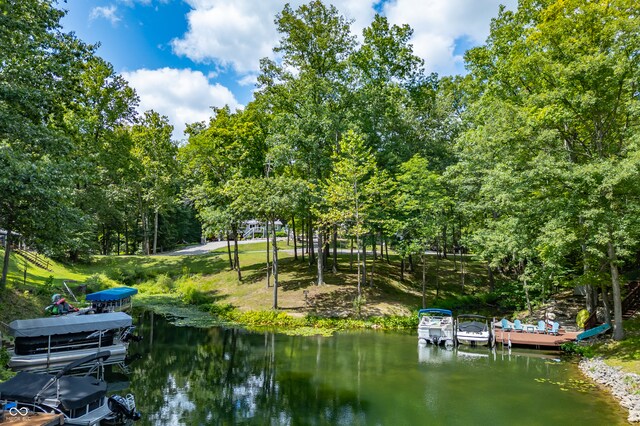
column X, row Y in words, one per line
column 435, row 335
column 473, row 339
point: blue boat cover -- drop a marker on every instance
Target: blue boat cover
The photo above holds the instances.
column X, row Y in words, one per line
column 434, row 311
column 111, row 294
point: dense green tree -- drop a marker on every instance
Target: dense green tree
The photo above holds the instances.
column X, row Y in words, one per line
column 102, row 150
column 157, row 170
column 420, row 201
column 345, row 200
column 39, row 73
column 555, row 131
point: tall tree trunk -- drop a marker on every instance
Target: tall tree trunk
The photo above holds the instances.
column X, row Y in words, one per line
column 437, row 277
column 386, row 249
column 454, row 246
column 126, row 237
column 618, row 330
column 103, row 249
column 526, row 295
column 295, row 238
column 381, row 246
column 492, row 283
column 320, row 258
column 303, row 237
column 351, row 256
column 145, row 230
column 334, row 267
column 444, row 241
column 236, row 257
column 358, row 250
column 462, row 271
column 145, row 226
column 411, row 263
column 373, row 266
column 325, row 250
column 591, row 291
column 268, row 268
column 275, row 267
column 402, row 269
column 155, row 232
column 374, row 246
column 424, row 281
column 5, row 263
column 606, row 305
column 312, row 252
column 229, row 251
column 364, row 260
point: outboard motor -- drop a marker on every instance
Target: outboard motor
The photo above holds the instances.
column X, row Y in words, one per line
column 124, row 407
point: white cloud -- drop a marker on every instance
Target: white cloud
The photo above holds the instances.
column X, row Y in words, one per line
column 106, row 12
column 237, row 33
column 183, row 95
column 437, row 24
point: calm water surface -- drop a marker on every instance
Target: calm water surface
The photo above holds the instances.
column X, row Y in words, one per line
column 191, row 376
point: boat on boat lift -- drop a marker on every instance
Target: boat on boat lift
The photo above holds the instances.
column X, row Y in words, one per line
column 473, row 330
column 50, row 343
column 82, row 400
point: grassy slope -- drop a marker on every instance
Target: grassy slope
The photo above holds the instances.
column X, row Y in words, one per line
column 625, row 354
column 212, row 275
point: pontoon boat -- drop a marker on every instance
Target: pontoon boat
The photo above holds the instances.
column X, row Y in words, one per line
column 435, row 326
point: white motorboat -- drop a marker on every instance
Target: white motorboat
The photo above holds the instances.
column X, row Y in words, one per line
column 473, row 330
column 81, row 400
column 435, row 326
column 49, row 344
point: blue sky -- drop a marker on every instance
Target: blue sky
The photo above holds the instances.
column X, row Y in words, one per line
column 185, row 56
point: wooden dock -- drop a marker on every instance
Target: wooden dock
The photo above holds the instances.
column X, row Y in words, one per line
column 534, row 340
column 39, row 419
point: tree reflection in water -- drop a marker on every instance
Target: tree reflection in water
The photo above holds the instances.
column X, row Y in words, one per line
column 190, row 376
column 197, row 376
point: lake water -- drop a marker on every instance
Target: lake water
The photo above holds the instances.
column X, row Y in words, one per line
column 193, row 376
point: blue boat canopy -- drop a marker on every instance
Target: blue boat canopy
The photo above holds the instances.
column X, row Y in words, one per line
column 434, row 311
column 117, row 293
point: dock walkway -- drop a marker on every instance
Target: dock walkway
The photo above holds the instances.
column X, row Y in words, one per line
column 537, row 340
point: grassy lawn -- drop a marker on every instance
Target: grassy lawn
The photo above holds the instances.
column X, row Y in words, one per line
column 210, row 275
column 180, row 281
column 624, row 354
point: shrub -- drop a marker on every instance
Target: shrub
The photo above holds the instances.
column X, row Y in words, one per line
column 358, row 303
column 574, row 348
column 165, row 283
column 96, row 282
column 191, row 294
column 225, row 311
column 129, row 276
column 5, row 373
